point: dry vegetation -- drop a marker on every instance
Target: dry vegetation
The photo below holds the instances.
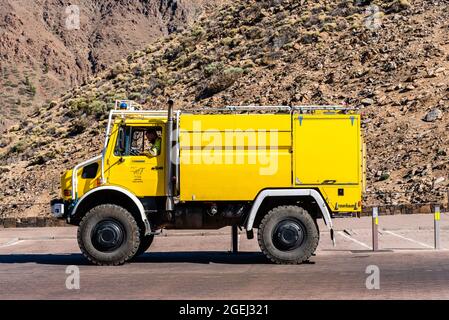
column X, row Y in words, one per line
column 272, row 52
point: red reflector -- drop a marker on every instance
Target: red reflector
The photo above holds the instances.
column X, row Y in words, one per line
column 67, row 193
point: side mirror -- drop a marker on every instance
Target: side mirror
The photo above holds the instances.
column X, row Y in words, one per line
column 121, row 140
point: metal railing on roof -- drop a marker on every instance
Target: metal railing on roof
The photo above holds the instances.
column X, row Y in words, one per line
column 274, row 109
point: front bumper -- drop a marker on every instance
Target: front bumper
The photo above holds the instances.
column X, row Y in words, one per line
column 58, row 208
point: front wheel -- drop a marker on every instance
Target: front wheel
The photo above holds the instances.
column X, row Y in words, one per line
column 145, row 243
column 288, row 235
column 108, row 235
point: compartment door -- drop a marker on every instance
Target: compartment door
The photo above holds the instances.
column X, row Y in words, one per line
column 326, row 149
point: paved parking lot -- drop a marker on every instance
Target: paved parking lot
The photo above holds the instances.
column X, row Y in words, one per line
column 196, row 264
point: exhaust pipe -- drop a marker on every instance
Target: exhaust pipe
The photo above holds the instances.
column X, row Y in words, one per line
column 169, row 204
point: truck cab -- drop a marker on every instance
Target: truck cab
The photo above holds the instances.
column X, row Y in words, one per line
column 274, row 169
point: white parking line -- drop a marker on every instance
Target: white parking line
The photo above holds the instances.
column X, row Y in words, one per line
column 354, row 240
column 11, row 242
column 409, row 239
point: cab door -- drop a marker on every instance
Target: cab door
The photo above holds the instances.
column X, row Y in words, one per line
column 128, row 166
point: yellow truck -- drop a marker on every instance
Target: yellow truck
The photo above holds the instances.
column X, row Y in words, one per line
column 275, row 169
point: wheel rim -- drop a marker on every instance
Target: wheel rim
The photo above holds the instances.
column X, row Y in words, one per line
column 288, row 235
column 108, row 235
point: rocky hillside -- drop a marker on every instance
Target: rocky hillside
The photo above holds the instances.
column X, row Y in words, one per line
column 390, row 59
column 42, row 53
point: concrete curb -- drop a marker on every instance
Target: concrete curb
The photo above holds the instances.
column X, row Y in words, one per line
column 33, row 222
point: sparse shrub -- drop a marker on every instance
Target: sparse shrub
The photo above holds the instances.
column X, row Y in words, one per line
column 117, row 69
column 52, row 104
column 329, row 27
column 227, row 41
column 30, row 88
column 51, row 130
column 304, row 17
column 341, row 24
column 254, row 33
column 137, row 70
column 233, row 71
column 98, row 108
column 122, row 78
column 247, row 64
column 15, row 128
column 37, row 161
column 19, row 147
column 212, row 68
column 4, row 141
column 78, row 105
column 138, row 54
column 198, row 32
column 220, row 81
column 135, row 96
column 310, row 37
column 398, row 6
column 172, row 53
column 42, row 159
column 78, row 127
column 9, row 83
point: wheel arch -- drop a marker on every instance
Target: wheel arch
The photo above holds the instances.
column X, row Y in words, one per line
column 270, row 198
column 271, row 202
column 111, row 195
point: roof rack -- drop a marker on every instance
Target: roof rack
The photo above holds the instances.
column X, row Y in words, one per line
column 286, row 109
column 290, row 108
column 137, row 113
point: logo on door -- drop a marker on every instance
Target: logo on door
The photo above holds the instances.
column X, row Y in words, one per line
column 137, row 175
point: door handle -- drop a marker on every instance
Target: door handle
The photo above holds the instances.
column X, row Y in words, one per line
column 157, row 168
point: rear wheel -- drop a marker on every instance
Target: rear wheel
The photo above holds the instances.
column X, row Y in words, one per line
column 288, row 235
column 108, row 235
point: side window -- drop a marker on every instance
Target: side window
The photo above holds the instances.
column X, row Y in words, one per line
column 139, row 141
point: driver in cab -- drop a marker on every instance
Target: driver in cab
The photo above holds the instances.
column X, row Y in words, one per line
column 154, row 141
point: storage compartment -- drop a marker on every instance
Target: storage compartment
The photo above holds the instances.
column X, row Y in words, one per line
column 327, row 149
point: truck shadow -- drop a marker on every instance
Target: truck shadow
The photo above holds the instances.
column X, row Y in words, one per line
column 203, row 257
column 49, row 259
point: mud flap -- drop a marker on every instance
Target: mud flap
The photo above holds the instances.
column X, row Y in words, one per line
column 333, row 237
column 147, row 227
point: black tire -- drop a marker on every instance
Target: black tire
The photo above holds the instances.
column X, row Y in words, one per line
column 288, row 235
column 108, row 235
column 145, row 243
